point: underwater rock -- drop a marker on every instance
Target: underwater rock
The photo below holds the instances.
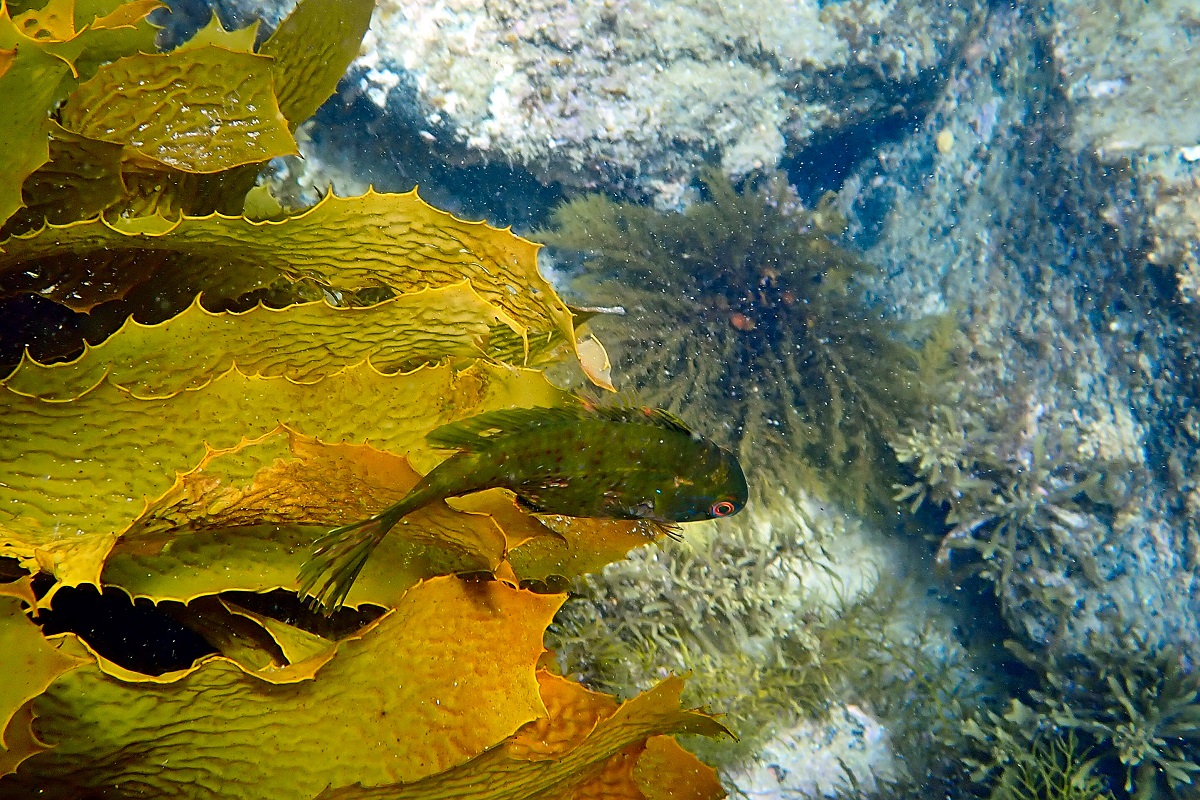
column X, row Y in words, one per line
column 631, row 96
column 1067, row 452
column 1131, row 73
column 1075, row 401
column 1171, row 188
column 848, row 751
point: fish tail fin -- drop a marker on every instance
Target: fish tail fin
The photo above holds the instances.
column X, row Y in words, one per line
column 340, row 555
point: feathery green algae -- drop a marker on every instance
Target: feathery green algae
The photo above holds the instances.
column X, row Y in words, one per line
column 743, row 314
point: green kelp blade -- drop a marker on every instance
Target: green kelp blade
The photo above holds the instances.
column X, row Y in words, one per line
column 312, row 49
column 71, row 40
column 205, row 109
column 240, row 40
column 29, row 663
column 347, row 244
column 110, row 29
column 304, row 343
column 80, row 180
column 30, row 86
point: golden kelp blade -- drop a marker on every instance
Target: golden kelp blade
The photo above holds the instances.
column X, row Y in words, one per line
column 304, row 343
column 29, row 663
column 247, row 518
column 665, row 771
column 311, row 50
column 135, row 102
column 508, row 772
column 385, row 240
column 584, row 545
column 158, row 107
column 446, row 675
column 106, row 452
column 43, row 70
column 81, row 179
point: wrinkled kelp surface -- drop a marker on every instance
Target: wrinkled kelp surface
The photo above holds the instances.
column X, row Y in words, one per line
column 247, row 377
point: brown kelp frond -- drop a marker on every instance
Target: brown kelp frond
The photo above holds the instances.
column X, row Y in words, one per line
column 232, row 380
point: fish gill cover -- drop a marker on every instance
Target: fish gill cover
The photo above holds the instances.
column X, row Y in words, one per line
column 236, row 379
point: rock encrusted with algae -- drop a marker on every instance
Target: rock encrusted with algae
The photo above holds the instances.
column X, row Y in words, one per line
column 1130, row 71
column 802, row 631
column 589, row 90
column 847, row 749
column 1037, row 242
column 630, row 95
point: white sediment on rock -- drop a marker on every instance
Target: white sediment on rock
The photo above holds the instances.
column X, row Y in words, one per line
column 818, row 758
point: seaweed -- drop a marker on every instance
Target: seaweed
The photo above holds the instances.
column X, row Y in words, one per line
column 195, row 455
column 771, row 637
column 1000, row 489
column 1125, row 719
column 741, row 311
column 1053, row 769
column 1141, row 708
column 132, row 140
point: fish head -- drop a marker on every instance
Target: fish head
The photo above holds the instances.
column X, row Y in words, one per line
column 708, row 486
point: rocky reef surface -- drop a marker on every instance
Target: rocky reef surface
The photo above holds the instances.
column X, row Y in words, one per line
column 1052, row 217
column 1030, row 171
column 631, row 96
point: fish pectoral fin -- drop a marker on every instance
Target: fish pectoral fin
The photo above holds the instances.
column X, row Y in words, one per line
column 338, row 557
column 668, row 529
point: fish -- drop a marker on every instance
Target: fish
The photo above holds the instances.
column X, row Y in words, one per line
column 578, row 460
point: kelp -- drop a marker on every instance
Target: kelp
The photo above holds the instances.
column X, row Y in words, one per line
column 169, row 138
column 258, row 375
column 618, row 754
column 93, row 448
column 397, row 242
column 50, row 51
column 417, row 329
column 382, row 710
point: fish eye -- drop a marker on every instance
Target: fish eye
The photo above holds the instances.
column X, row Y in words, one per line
column 722, row 508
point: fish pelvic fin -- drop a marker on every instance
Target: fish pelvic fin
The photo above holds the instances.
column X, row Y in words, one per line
column 339, row 556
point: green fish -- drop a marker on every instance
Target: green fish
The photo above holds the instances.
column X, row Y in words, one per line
column 579, row 461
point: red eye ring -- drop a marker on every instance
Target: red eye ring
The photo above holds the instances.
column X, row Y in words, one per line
column 722, row 508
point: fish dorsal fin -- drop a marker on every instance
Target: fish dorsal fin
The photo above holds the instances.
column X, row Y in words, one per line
column 643, row 415
column 483, row 430
column 475, row 433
